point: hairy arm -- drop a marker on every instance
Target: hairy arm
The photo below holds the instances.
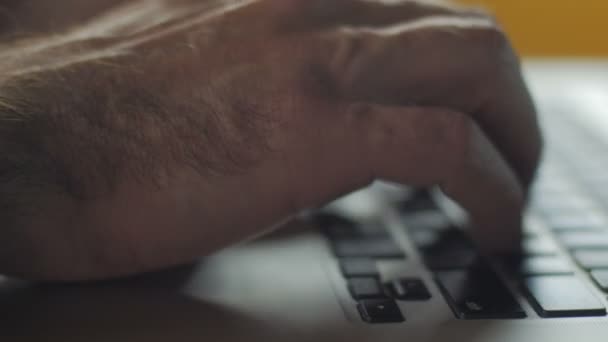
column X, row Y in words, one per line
column 106, row 150
column 88, row 157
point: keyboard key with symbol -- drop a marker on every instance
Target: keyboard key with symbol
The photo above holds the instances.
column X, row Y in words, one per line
column 380, row 311
column 478, row 294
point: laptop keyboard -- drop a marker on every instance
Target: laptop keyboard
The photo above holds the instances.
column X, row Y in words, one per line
column 555, row 274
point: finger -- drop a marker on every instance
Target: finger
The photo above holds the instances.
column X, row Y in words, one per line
column 465, row 64
column 420, row 146
column 319, row 14
column 462, row 160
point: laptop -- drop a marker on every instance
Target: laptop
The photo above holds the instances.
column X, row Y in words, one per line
column 387, row 263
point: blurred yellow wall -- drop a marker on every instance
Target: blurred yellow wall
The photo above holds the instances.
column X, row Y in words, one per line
column 553, row 27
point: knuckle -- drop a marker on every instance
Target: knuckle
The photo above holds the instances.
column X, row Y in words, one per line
column 494, row 60
column 496, row 48
column 348, row 49
column 494, row 36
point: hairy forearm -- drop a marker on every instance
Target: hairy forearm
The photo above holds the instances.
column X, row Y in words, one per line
column 105, row 151
column 94, row 168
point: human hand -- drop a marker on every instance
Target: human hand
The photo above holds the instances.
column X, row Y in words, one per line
column 205, row 123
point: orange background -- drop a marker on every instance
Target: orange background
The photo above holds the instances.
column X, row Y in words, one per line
column 553, row 27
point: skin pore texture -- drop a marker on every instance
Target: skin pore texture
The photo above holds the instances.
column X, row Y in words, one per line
column 140, row 134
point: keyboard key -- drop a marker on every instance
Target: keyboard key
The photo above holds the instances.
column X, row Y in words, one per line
column 409, row 289
column 550, row 183
column 575, row 221
column 584, row 240
column 601, row 278
column 423, row 238
column 330, row 222
column 359, row 267
column 591, row 259
column 366, row 288
column 562, row 296
column 537, row 265
column 338, row 227
column 420, row 200
column 478, row 294
column 380, row 311
column 538, row 246
column 434, row 220
column 437, row 240
column 368, row 248
column 556, row 205
column 448, row 260
column 447, row 249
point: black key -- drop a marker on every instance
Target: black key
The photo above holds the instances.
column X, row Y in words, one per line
column 537, row 265
column 584, row 240
column 424, row 238
column 409, row 289
column 478, row 294
column 338, row 227
column 447, row 249
column 420, row 200
column 368, row 248
column 366, row 288
column 601, row 278
column 380, row 311
column 434, row 220
column 449, row 260
column 330, row 222
column 562, row 296
column 436, row 240
column 359, row 267
column 591, row 259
